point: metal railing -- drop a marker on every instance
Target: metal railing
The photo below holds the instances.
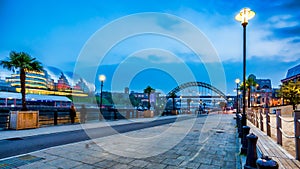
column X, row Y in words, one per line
column 60, row 115
column 258, row 121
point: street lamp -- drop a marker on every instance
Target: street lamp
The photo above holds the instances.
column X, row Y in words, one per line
column 102, row 79
column 244, row 16
column 237, row 81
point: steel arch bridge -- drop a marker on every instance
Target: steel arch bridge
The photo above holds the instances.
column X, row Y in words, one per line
column 199, row 84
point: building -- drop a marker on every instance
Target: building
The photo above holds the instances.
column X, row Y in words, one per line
column 51, row 81
column 292, row 74
column 6, row 86
column 261, row 94
column 12, row 99
column 34, row 80
column 62, row 83
column 126, row 90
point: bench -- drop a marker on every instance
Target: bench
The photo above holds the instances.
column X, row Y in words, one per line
column 270, row 148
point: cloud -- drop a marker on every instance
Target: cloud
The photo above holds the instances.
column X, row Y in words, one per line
column 271, row 38
column 282, row 21
column 111, row 45
column 157, row 56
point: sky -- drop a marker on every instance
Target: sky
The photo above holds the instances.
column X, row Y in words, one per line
column 158, row 43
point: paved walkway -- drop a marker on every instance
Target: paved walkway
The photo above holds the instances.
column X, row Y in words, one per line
column 204, row 142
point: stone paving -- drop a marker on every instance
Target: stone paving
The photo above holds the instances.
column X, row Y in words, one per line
column 204, row 142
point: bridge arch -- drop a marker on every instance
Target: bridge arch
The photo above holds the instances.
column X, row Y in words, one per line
column 199, row 84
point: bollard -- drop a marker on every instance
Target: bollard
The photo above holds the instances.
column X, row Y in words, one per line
column 251, row 152
column 115, row 114
column 266, row 163
column 237, row 119
column 244, row 148
column 240, row 130
column 55, row 117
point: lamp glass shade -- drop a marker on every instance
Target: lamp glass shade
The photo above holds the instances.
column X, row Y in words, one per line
column 245, row 15
column 102, row 78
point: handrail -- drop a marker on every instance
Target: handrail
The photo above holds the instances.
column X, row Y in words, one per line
column 288, row 121
column 285, row 135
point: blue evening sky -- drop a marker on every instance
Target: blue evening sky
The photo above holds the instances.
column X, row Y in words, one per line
column 56, row 31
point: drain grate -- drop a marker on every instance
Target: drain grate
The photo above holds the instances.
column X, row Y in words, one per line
column 19, row 161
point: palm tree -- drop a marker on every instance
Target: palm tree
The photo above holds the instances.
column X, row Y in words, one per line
column 291, row 92
column 250, row 82
column 149, row 90
column 24, row 62
column 173, row 96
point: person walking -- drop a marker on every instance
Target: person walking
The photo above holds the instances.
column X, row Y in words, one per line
column 83, row 113
column 72, row 113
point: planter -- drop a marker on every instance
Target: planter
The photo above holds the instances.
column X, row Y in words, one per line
column 24, row 119
column 148, row 114
column 174, row 112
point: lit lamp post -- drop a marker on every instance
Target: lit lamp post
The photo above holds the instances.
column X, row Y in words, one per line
column 244, row 16
column 237, row 81
column 102, row 79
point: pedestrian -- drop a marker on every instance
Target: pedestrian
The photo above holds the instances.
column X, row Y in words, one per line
column 72, row 113
column 83, row 113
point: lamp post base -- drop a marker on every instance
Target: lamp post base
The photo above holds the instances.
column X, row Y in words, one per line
column 244, row 118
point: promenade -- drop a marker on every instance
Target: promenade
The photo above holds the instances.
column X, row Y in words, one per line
column 203, row 142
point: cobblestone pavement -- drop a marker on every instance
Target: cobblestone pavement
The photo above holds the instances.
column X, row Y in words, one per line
column 209, row 142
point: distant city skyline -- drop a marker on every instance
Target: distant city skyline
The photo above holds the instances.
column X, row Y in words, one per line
column 55, row 32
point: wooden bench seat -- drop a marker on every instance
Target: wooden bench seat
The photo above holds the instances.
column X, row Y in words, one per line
column 269, row 147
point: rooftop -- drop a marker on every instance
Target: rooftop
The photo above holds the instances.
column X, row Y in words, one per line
column 293, row 71
column 33, row 96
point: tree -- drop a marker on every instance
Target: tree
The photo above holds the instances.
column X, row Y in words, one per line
column 149, row 90
column 135, row 101
column 23, row 62
column 173, row 96
column 291, row 92
column 250, row 82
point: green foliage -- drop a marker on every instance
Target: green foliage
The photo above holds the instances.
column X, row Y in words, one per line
column 149, row 90
column 291, row 92
column 250, row 82
column 134, row 101
column 24, row 62
column 173, row 95
column 87, row 99
column 21, row 60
